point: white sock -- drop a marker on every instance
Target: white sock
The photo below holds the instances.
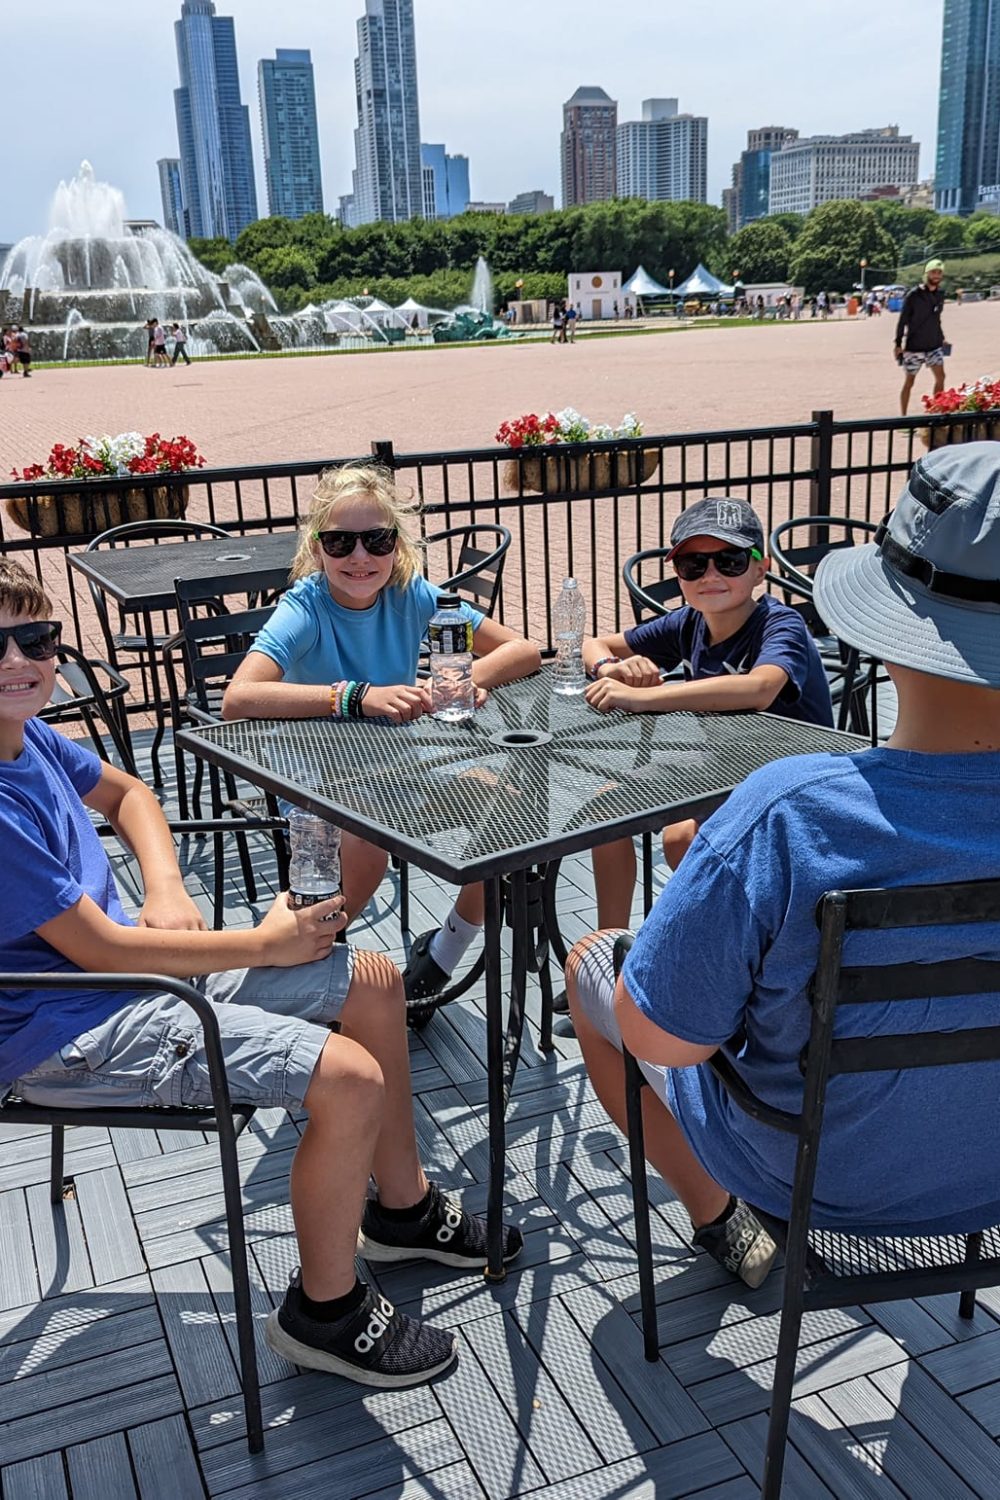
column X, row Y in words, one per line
column 449, row 944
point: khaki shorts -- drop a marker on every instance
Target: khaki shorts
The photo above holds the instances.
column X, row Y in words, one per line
column 274, row 1024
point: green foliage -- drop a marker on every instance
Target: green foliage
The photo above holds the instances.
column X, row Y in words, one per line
column 982, row 232
column 837, row 237
column 944, row 232
column 906, row 225
column 792, row 224
column 760, row 251
column 285, row 267
column 216, row 254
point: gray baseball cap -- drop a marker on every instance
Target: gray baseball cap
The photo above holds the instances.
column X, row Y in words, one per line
column 926, row 592
column 728, row 520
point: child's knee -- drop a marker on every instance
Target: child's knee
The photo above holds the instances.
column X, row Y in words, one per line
column 345, row 1078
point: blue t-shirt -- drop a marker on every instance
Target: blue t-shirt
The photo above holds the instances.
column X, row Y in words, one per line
column 732, row 944
column 774, row 636
column 314, row 639
column 51, row 848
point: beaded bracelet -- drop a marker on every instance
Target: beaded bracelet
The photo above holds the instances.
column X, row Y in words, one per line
column 336, row 695
column 604, row 661
column 358, row 699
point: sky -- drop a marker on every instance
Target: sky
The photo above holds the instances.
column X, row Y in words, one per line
column 94, row 79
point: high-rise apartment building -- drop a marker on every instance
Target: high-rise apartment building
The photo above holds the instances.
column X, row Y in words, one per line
column 533, row 202
column 290, row 134
column 814, row 170
column 588, row 147
column 388, row 174
column 968, row 143
column 749, row 197
column 449, row 183
column 213, row 125
column 169, row 169
column 664, row 155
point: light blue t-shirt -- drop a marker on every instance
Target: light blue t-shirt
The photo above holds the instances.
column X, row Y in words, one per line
column 314, row 639
column 732, row 944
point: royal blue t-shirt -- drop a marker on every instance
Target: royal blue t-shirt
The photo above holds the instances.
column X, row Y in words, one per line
column 773, row 636
column 314, row 639
column 732, row 944
column 52, row 856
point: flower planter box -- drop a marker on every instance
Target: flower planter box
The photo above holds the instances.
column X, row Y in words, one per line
column 974, row 432
column 559, row 473
column 78, row 513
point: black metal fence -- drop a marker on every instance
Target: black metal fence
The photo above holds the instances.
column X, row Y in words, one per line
column 574, row 510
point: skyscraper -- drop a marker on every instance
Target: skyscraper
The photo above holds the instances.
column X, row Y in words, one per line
column 968, row 144
column 213, row 125
column 588, row 147
column 290, row 134
column 169, row 168
column 663, row 155
column 388, row 174
column 751, row 189
column 451, row 181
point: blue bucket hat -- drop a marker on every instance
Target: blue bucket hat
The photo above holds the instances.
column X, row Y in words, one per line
column 925, row 593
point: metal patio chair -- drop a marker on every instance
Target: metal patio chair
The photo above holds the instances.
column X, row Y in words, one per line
column 476, row 556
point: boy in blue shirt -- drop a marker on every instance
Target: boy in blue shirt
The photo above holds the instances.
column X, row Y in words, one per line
column 738, row 653
column 305, row 1022
column 732, row 944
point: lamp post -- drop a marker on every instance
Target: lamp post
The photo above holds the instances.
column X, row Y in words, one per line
column 864, row 272
column 736, row 291
column 673, row 305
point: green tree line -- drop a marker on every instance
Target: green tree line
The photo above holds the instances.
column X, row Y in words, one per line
column 314, row 258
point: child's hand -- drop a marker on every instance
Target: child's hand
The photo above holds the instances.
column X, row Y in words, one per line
column 636, row 671
column 481, row 695
column 399, row 704
column 290, row 935
column 606, row 695
column 171, row 910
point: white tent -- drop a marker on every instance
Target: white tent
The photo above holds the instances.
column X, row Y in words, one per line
column 702, row 283
column 377, row 311
column 342, row 316
column 641, row 284
column 411, row 309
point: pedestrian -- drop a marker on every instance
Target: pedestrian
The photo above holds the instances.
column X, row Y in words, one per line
column 823, row 304
column 569, row 322
column 919, row 335
column 160, row 359
column 179, row 335
column 150, row 345
column 557, row 323
column 615, row 308
column 22, row 347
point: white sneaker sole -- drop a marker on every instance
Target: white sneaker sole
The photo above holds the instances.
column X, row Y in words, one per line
column 311, row 1358
column 396, row 1254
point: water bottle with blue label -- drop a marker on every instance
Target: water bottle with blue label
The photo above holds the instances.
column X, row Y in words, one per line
column 449, row 635
column 314, row 867
column 569, row 619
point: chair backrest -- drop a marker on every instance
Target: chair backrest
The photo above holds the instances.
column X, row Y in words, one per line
column 476, row 556
column 817, row 535
column 141, row 531
column 651, row 591
column 215, row 643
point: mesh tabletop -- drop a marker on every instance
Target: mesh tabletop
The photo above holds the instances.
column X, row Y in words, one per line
column 531, row 777
column 142, row 577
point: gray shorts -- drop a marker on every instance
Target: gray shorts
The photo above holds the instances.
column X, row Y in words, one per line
column 914, row 360
column 274, row 1025
column 595, row 982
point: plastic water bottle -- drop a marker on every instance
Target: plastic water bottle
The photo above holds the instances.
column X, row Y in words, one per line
column 569, row 617
column 449, row 634
column 314, row 869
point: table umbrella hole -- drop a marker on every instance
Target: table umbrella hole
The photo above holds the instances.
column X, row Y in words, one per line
column 233, row 556
column 520, row 739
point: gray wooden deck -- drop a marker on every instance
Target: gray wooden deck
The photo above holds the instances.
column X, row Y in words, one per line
column 117, row 1373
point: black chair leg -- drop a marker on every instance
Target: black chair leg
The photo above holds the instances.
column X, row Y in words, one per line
column 634, row 1083
column 967, row 1301
column 781, row 1392
column 404, row 896
column 57, row 1171
column 241, row 1292
column 647, row 873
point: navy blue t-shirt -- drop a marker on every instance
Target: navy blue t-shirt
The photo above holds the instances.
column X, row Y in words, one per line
column 51, row 848
column 731, row 946
column 774, row 636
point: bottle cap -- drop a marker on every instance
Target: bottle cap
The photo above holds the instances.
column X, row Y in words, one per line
column 448, row 601
column 569, row 583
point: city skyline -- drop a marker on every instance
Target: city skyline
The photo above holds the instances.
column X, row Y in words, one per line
column 883, row 68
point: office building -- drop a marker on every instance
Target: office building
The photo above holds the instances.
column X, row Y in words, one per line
column 534, row 202
column 213, row 125
column 814, row 170
column 968, row 142
column 485, row 206
column 664, row 155
column 388, row 172
column 448, row 192
column 749, row 197
column 290, row 134
column 588, row 147
column 169, row 169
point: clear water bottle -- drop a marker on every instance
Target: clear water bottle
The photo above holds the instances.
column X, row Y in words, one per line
column 314, row 869
column 569, row 618
column 449, row 635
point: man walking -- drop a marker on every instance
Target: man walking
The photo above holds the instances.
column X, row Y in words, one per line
column 919, row 335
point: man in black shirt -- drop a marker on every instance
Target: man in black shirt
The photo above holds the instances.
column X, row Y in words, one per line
column 919, row 336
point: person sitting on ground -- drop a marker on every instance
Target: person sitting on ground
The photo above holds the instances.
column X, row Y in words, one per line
column 306, row 1023
column 737, row 652
column 725, row 960
column 358, row 611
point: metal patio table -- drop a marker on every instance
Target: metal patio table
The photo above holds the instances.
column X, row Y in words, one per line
column 531, row 778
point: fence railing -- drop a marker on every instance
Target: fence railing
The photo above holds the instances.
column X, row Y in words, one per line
column 573, row 510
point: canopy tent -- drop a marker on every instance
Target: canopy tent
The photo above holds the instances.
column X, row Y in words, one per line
column 641, row 284
column 702, row 283
column 411, row 309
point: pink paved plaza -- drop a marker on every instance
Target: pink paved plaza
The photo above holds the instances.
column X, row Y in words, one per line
column 274, row 410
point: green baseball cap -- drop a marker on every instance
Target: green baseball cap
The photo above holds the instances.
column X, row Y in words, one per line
column 933, row 265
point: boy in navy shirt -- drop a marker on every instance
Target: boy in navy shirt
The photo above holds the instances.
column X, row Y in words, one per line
column 738, row 653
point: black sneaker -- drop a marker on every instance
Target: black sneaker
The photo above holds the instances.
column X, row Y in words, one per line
column 740, row 1243
column 445, row 1233
column 423, row 981
column 376, row 1345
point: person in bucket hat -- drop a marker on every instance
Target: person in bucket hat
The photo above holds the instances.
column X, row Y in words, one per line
column 726, row 957
column 919, row 337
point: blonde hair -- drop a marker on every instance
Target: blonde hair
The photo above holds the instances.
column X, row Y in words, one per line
column 369, row 482
column 20, row 591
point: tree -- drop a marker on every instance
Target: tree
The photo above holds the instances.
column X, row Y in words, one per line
column 982, row 232
column 285, row 267
column 837, row 236
column 760, row 251
column 263, row 234
column 944, row 232
column 215, row 254
column 792, row 224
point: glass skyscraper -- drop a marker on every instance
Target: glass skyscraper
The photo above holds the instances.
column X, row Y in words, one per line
column 169, row 169
column 388, row 179
column 450, row 178
column 968, row 146
column 290, row 134
column 213, row 125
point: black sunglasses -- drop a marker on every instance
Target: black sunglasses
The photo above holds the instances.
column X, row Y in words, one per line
column 38, row 640
column 731, row 562
column 378, row 541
